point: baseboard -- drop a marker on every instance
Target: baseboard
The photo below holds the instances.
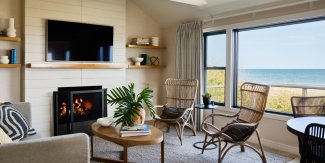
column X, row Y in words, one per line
column 276, row 146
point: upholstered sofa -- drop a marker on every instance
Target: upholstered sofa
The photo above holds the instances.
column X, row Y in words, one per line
column 72, row 148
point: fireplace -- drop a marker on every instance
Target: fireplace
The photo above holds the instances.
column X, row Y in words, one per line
column 76, row 108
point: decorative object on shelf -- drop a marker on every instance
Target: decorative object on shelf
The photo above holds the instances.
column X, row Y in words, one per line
column 137, row 61
column 4, row 60
column 155, row 41
column 154, row 60
column 11, row 31
column 145, row 59
column 140, row 41
column 129, row 110
column 2, row 33
column 206, row 98
column 13, row 56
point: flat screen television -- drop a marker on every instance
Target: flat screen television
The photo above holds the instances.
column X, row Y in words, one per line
column 69, row 41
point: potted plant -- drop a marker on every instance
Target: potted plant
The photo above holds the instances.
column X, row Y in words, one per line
column 129, row 109
column 206, row 98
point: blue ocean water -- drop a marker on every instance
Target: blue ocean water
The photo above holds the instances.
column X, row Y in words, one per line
column 307, row 77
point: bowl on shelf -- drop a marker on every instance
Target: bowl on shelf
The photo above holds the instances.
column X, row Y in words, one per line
column 137, row 60
column 105, row 121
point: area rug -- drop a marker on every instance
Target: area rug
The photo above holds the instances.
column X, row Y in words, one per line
column 175, row 153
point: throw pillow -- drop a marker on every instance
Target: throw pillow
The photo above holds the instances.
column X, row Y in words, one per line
column 13, row 123
column 173, row 113
column 4, row 138
column 239, row 133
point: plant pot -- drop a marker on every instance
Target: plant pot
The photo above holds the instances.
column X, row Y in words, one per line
column 206, row 101
column 139, row 120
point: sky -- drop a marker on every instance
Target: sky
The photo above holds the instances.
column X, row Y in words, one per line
column 299, row 46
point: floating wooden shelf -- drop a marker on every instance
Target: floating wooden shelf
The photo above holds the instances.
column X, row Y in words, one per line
column 10, row 65
column 146, row 66
column 77, row 65
column 10, row 39
column 145, row 47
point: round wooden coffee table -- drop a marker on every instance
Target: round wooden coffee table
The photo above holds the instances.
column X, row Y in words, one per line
column 112, row 134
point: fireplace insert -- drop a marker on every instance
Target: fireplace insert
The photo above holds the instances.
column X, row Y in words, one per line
column 75, row 108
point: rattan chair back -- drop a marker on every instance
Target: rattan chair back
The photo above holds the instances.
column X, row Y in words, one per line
column 313, row 150
column 308, row 106
column 253, row 102
column 181, row 93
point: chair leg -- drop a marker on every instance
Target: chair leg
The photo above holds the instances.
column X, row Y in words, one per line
column 242, row 148
column 205, row 141
column 179, row 132
column 219, row 149
column 193, row 125
column 259, row 142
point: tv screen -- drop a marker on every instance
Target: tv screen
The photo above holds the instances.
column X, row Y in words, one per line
column 68, row 41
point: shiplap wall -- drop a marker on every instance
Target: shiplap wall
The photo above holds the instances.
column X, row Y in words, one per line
column 40, row 83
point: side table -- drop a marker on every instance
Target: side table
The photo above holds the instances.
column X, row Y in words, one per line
column 198, row 108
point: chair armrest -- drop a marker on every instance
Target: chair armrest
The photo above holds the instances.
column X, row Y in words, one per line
column 65, row 148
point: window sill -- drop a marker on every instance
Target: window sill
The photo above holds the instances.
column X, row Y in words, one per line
column 266, row 115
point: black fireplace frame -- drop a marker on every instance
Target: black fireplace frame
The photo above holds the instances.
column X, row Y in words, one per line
column 70, row 91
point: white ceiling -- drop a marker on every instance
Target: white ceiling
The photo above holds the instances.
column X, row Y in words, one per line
column 168, row 13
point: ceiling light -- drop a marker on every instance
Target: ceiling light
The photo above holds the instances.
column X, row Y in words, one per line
column 192, row 2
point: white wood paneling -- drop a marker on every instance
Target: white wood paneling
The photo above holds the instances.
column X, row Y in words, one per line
column 40, row 83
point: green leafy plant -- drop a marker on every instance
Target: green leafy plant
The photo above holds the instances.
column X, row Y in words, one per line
column 207, row 95
column 128, row 104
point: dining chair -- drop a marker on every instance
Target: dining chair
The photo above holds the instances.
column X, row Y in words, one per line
column 308, row 106
column 178, row 109
column 313, row 150
column 253, row 101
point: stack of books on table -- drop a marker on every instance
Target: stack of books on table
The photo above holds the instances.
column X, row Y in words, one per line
column 137, row 130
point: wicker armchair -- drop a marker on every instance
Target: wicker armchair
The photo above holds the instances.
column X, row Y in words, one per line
column 313, row 150
column 180, row 98
column 308, row 106
column 253, row 101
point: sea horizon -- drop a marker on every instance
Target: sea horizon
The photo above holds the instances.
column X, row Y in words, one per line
column 305, row 77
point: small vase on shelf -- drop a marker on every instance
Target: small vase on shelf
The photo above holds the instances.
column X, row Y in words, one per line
column 4, row 60
column 11, row 31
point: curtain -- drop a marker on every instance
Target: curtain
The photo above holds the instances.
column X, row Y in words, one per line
column 189, row 52
column 189, row 57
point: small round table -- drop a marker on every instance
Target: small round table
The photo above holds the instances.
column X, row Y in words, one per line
column 297, row 126
column 112, row 134
column 198, row 125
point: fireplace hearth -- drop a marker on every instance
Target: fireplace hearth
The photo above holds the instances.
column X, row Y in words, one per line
column 75, row 108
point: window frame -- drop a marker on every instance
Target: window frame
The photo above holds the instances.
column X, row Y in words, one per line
column 205, row 67
column 235, row 54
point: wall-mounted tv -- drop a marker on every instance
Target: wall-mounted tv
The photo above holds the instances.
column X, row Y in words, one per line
column 68, row 41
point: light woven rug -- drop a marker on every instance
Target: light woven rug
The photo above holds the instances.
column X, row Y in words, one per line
column 175, row 153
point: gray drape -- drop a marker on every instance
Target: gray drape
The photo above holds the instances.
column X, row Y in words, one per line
column 189, row 52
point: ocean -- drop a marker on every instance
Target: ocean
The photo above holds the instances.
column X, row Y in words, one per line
column 306, row 77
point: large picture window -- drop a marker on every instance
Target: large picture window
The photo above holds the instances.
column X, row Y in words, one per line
column 215, row 65
column 289, row 57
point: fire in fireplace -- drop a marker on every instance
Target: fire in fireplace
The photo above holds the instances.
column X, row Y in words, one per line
column 75, row 108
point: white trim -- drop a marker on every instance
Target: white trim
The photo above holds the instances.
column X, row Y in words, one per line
column 275, row 145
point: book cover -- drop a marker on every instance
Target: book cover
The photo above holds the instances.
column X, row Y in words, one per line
column 13, row 56
column 134, row 134
column 135, row 129
column 14, row 53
